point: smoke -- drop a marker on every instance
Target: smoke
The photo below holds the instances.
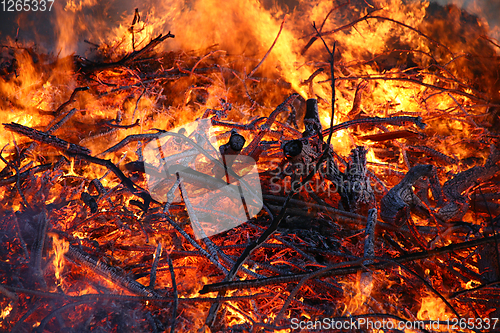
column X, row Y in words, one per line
column 488, row 10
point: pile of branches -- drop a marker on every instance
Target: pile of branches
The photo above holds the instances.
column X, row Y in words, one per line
column 132, row 263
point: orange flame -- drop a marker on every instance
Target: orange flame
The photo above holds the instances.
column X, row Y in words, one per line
column 61, row 247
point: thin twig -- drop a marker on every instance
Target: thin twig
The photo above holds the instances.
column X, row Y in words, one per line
column 269, row 51
column 203, row 58
column 109, row 272
column 195, row 244
column 70, row 100
column 51, row 315
column 332, row 81
column 17, row 178
column 175, row 295
column 43, row 137
column 157, row 255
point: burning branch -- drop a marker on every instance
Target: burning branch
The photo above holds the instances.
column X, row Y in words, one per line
column 101, row 268
column 42, row 137
column 88, row 66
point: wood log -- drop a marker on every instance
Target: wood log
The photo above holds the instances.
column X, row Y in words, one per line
column 458, row 203
column 401, row 196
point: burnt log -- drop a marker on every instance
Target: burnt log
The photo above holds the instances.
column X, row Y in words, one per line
column 457, row 203
column 311, row 120
column 401, row 197
column 356, row 192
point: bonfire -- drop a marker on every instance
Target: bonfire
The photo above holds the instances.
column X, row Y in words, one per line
column 250, row 167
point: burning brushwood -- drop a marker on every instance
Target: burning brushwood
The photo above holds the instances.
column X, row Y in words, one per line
column 252, row 148
column 89, row 66
column 170, row 176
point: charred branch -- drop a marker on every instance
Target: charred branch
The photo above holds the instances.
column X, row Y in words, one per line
column 394, row 205
column 51, row 140
column 100, row 267
column 457, row 204
column 348, row 267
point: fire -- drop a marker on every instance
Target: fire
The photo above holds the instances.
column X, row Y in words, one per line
column 6, row 311
column 235, row 62
column 61, row 247
column 433, row 308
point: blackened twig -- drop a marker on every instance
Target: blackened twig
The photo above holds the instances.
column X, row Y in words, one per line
column 417, row 81
column 133, row 188
column 203, row 58
column 429, row 285
column 269, row 51
column 458, row 203
column 28, row 313
column 152, row 275
column 400, row 121
column 248, row 127
column 131, row 138
column 309, row 81
column 8, row 293
column 54, row 126
column 51, row 315
column 137, row 103
column 401, row 197
column 16, row 177
column 314, row 38
column 413, row 29
column 109, row 124
column 24, row 174
column 175, row 294
column 192, row 300
column 306, row 276
column 251, row 148
column 332, row 81
column 70, row 100
column 464, row 291
column 194, row 243
column 88, row 66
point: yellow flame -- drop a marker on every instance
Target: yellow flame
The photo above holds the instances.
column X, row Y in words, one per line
column 433, row 308
column 60, row 246
column 6, row 311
